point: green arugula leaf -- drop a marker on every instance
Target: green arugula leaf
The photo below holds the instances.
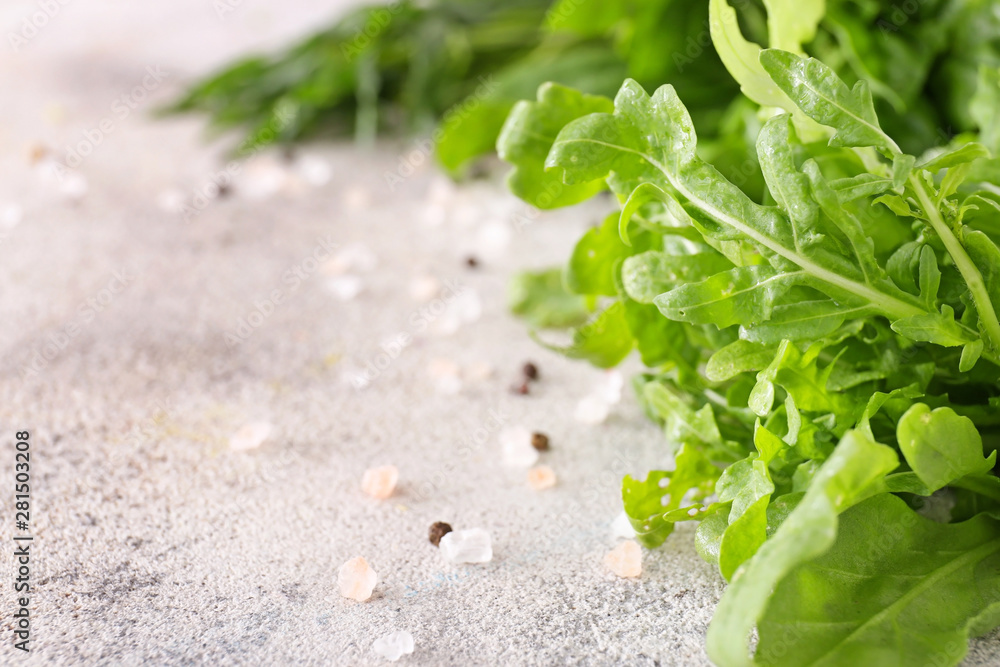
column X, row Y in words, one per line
column 595, row 258
column 895, row 588
column 527, row 136
column 821, row 95
column 747, row 486
column 941, row 446
column 542, row 300
column 647, row 503
column 985, row 107
column 743, row 295
column 647, row 275
column 854, row 472
column 604, row 340
column 738, row 357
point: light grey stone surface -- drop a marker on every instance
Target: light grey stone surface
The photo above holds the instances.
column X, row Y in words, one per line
column 157, row 544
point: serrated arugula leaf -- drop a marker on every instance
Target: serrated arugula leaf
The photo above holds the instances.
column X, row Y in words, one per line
column 542, row 300
column 659, row 340
column 862, row 185
column 604, row 340
column 820, row 94
column 650, row 502
column 647, row 275
column 802, row 321
column 527, row 136
column 938, row 328
column 854, row 472
column 962, row 155
column 895, row 588
column 941, row 446
column 799, row 374
column 592, row 266
column 738, row 357
column 742, row 295
column 747, row 487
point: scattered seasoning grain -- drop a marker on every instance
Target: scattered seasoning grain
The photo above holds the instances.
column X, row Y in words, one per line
column 224, row 190
column 540, row 441
column 438, row 530
column 521, row 389
column 471, row 262
column 530, row 371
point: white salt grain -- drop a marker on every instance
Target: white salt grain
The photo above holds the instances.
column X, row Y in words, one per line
column 250, row 436
column 263, row 178
column 170, row 200
column 10, row 216
column 73, row 186
column 424, row 288
column 493, row 239
column 394, row 645
column 592, row 409
column 314, row 170
column 356, row 579
column 478, row 371
column 467, row 546
column 517, row 448
column 610, row 386
column 345, row 288
column 441, row 192
column 357, row 198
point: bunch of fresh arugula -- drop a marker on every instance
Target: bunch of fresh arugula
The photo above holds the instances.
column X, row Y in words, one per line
column 824, row 357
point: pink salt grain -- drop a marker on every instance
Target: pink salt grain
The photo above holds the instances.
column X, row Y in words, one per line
column 625, row 560
column 356, row 579
column 541, row 478
column 380, row 482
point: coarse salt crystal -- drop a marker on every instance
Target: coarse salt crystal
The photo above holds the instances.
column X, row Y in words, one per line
column 314, row 170
column 356, row 579
column 610, row 386
column 441, row 192
column 467, row 546
column 10, row 216
column 73, row 186
column 380, row 482
column 592, row 409
column 357, row 198
column 263, row 178
column 493, row 239
column 394, row 645
column 541, row 478
column 478, row 371
column 625, row 560
column 345, row 288
column 250, row 436
column 424, row 288
column 517, row 448
column 171, row 200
